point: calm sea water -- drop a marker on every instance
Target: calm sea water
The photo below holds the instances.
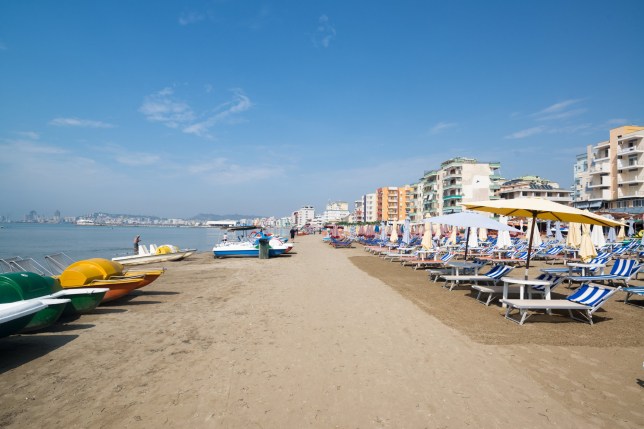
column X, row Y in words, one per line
column 83, row 242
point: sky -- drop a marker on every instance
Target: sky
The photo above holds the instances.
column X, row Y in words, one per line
column 174, row 108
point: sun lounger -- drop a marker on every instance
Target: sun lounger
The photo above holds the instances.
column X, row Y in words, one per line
column 630, row 291
column 437, row 263
column 493, row 276
column 493, row 291
column 622, row 271
column 585, row 300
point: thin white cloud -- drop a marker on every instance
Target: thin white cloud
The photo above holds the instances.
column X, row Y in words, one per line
column 162, row 107
column 240, row 103
column 15, row 147
column 31, row 135
column 127, row 157
column 526, row 133
column 76, row 122
column 188, row 18
column 617, row 121
column 325, row 32
column 222, row 171
column 442, row 126
column 561, row 110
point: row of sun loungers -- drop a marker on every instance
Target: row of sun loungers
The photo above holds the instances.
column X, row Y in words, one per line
column 489, row 286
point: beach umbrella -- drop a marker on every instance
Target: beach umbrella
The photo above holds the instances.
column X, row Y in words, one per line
column 383, row 232
column 597, row 236
column 558, row 237
column 538, row 208
column 469, row 220
column 621, row 235
column 406, row 236
column 394, row 233
column 631, row 230
column 548, row 229
column 587, row 250
column 503, row 240
column 472, row 237
column 427, row 242
column 573, row 240
column 452, row 236
column 536, row 235
column 612, row 236
column 482, row 234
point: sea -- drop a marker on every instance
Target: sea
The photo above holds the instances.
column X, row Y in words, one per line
column 35, row 240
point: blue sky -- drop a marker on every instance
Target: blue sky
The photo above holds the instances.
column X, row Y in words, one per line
column 179, row 108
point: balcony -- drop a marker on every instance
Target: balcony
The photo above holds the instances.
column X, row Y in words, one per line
column 602, row 168
column 453, row 186
column 597, row 186
column 626, row 166
column 456, row 174
column 624, row 193
column 629, row 150
column 495, row 177
column 625, row 180
column 452, row 197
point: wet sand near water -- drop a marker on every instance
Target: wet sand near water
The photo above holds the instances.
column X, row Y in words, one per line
column 324, row 338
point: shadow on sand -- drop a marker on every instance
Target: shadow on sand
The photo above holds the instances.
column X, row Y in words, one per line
column 20, row 349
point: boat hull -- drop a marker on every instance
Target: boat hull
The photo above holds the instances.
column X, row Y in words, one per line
column 150, row 259
column 15, row 316
column 248, row 253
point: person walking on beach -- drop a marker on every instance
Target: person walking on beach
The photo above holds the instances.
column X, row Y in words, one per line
column 293, row 231
column 137, row 239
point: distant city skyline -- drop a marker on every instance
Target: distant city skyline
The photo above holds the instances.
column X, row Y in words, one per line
column 176, row 109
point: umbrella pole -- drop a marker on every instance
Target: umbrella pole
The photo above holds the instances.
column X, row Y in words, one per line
column 467, row 241
column 527, row 262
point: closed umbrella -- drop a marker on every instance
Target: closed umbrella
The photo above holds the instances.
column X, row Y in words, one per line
column 587, row 250
column 452, row 236
column 538, row 208
column 383, row 232
column 427, row 242
column 597, row 236
column 612, row 235
column 472, row 237
column 503, row 240
column 394, row 233
column 536, row 236
column 558, row 237
column 621, row 235
column 573, row 240
column 482, row 234
column 631, row 230
column 406, row 236
column 548, row 229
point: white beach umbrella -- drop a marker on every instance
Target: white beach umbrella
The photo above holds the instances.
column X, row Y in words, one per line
column 452, row 236
column 383, row 231
column 406, row 236
column 482, row 234
column 472, row 237
column 573, row 240
column 548, row 229
column 558, row 235
column 587, row 250
column 631, row 230
column 612, row 236
column 597, row 236
column 536, row 235
column 503, row 240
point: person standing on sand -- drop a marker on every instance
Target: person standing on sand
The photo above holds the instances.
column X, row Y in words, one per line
column 225, row 239
column 137, row 240
column 293, row 231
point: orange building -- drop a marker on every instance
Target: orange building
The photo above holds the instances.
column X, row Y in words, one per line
column 393, row 203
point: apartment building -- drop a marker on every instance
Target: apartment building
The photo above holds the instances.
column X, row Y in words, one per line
column 335, row 211
column 536, row 187
column 615, row 176
column 459, row 180
column 393, row 203
column 370, row 207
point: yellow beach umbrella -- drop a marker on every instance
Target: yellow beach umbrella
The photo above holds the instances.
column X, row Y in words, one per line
column 573, row 239
column 482, row 234
column 427, row 242
column 621, row 235
column 539, row 208
column 394, row 233
column 587, row 249
column 452, row 236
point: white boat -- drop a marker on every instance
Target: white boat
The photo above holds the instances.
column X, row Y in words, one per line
column 163, row 253
column 85, row 222
column 249, row 248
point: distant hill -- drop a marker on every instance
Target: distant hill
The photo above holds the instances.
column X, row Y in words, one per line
column 210, row 216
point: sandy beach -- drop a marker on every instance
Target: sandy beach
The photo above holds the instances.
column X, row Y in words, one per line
column 324, row 338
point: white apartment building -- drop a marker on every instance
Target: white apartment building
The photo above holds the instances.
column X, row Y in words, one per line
column 615, row 177
column 534, row 187
column 458, row 180
column 336, row 211
column 370, row 207
column 303, row 216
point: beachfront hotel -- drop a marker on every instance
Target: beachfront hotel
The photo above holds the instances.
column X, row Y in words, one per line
column 458, row 180
column 610, row 175
column 534, row 187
